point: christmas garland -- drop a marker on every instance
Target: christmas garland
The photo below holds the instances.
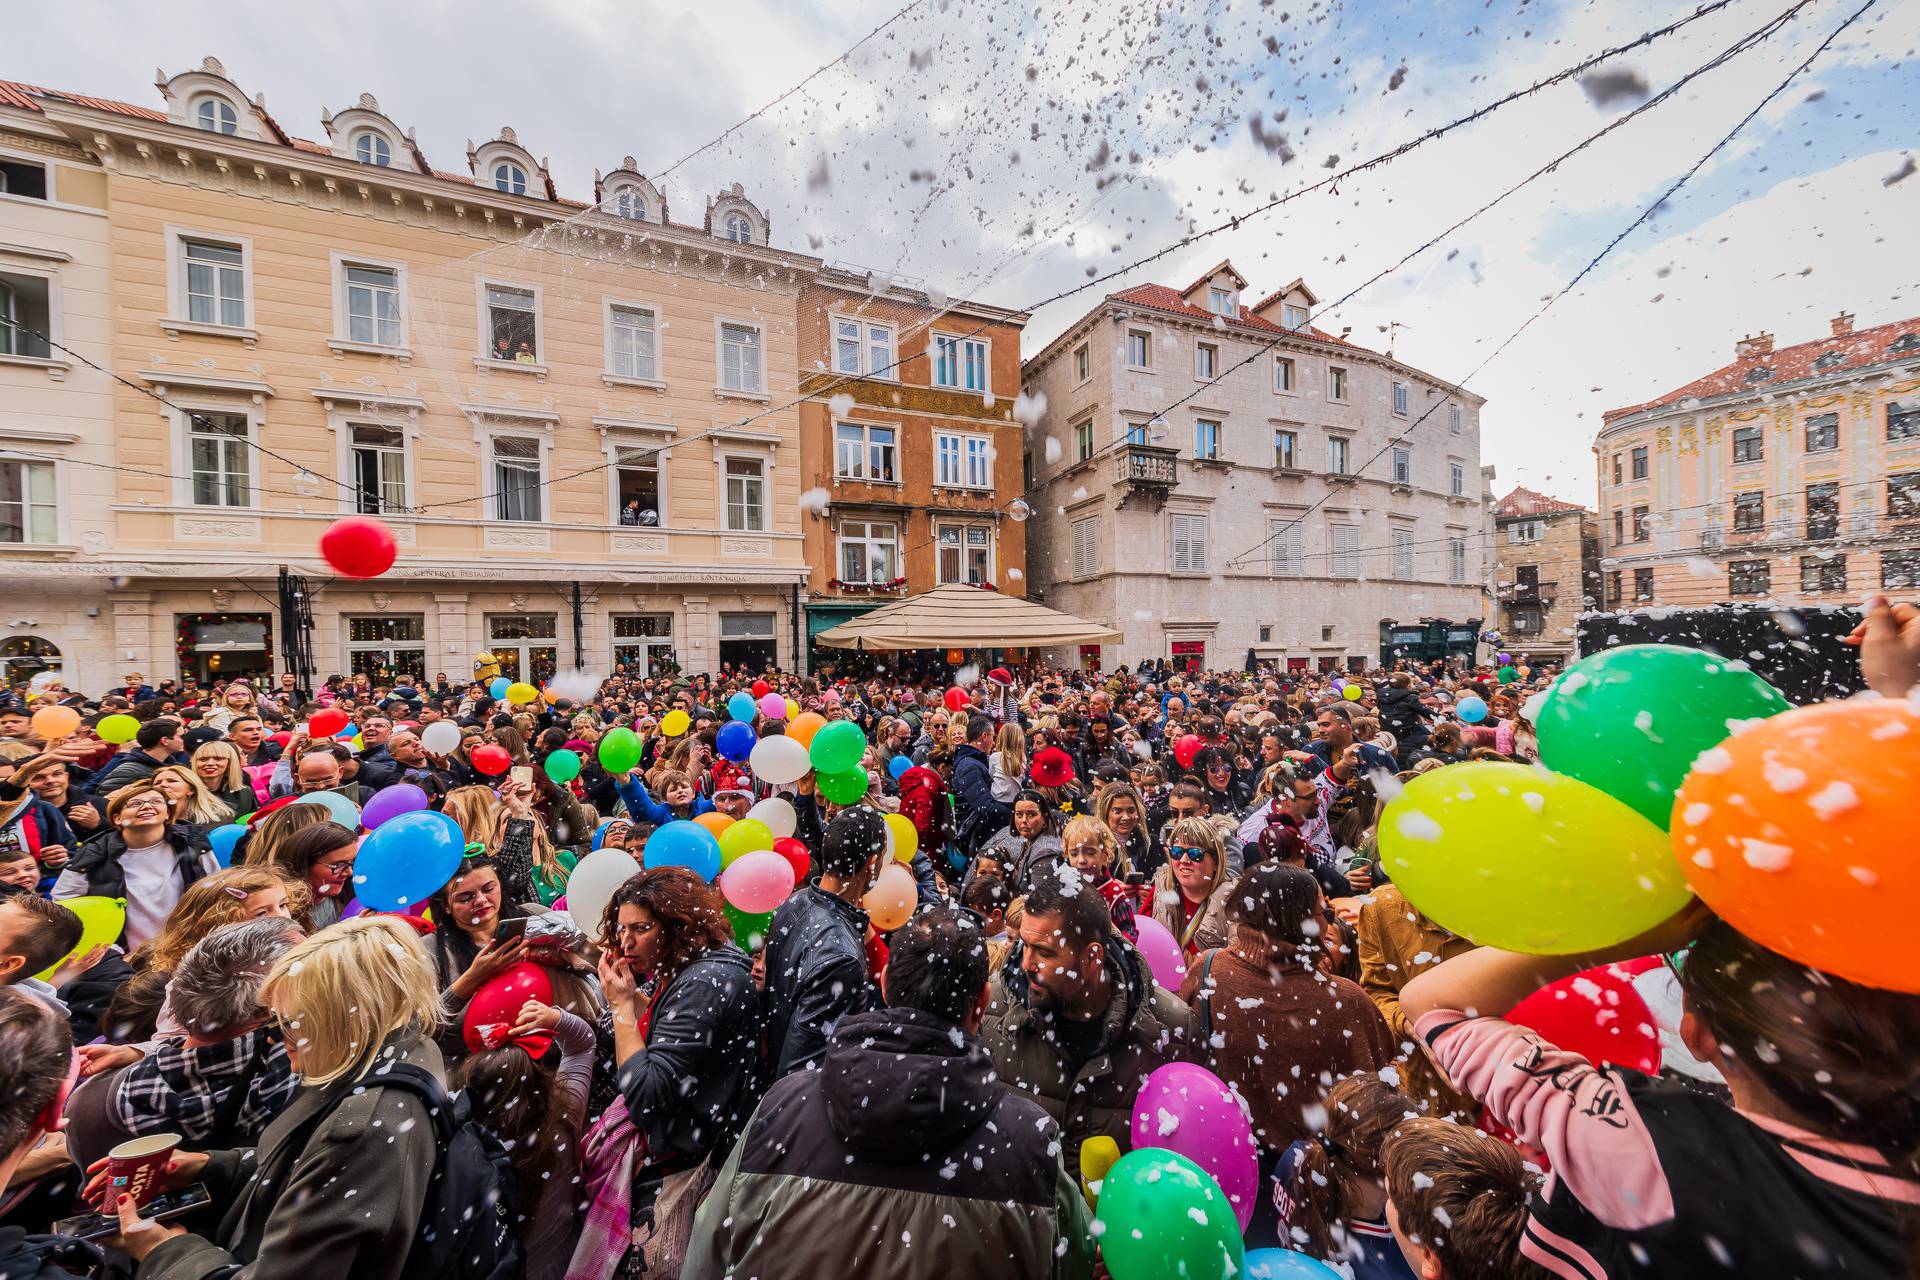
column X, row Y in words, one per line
column 894, row 585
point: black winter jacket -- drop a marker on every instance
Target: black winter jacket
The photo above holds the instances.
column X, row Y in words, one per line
column 694, row 1085
column 816, row 974
column 99, row 861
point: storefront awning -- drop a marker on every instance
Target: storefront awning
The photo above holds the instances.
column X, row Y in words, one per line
column 957, row 616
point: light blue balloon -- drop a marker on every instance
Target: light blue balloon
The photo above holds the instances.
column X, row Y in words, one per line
column 406, row 860
column 683, row 844
column 498, row 689
column 1285, row 1264
column 1472, row 710
column 338, row 807
column 222, row 840
column 741, row 706
column 899, row 765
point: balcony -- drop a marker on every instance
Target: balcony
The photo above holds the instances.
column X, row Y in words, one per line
column 1148, row 472
column 1519, row 593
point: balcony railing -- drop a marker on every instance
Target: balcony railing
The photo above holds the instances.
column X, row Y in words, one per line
column 1150, row 466
column 1540, row 593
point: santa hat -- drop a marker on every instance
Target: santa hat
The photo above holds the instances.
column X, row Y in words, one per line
column 1000, row 675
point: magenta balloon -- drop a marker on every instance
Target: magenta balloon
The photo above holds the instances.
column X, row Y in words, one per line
column 757, row 882
column 773, row 707
column 1186, row 1109
column 1163, row 954
column 390, row 802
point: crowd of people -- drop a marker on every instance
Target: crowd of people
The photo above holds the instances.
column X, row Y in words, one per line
column 496, row 1082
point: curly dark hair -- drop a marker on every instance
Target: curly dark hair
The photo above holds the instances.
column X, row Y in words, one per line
column 687, row 908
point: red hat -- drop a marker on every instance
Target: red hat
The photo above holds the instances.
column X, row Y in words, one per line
column 1052, row 767
column 271, row 806
column 1000, row 675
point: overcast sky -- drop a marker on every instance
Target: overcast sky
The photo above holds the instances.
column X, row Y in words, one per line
column 1009, row 149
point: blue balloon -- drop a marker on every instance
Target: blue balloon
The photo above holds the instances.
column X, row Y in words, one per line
column 406, row 860
column 736, row 740
column 498, row 689
column 1472, row 710
column 222, row 840
column 741, row 706
column 1285, row 1264
column 899, row 765
column 338, row 807
column 683, row 844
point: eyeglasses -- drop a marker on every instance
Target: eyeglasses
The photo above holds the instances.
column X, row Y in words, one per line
column 1186, row 853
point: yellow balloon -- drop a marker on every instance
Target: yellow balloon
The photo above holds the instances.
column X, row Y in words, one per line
column 891, row 901
column 1097, row 1155
column 102, row 920
column 906, row 838
column 675, row 723
column 793, row 710
column 520, row 693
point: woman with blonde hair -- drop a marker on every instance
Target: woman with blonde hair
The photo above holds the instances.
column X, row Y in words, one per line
column 193, row 805
column 226, row 897
column 1008, row 763
column 1189, row 894
column 223, row 773
column 358, row 1005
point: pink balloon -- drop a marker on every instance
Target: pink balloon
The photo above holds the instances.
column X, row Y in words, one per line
column 773, row 707
column 1162, row 952
column 1186, row 1109
column 757, row 882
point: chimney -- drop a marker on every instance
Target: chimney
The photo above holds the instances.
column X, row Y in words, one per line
column 1842, row 324
column 1754, row 344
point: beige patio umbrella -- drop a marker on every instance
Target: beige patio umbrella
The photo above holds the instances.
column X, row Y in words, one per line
column 958, row 616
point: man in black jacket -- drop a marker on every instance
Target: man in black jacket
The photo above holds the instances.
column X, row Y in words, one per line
column 817, row 944
column 977, row 814
column 157, row 742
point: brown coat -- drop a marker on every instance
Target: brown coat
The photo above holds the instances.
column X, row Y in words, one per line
column 1281, row 1034
column 1397, row 942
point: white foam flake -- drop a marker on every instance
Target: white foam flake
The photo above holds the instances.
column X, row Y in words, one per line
column 1415, row 825
column 1534, row 801
column 1030, row 408
column 1713, row 760
column 840, row 405
column 1785, row 779
column 815, row 501
column 1167, row 1122
column 1696, row 813
column 1865, row 875
column 1834, row 799
column 1765, row 855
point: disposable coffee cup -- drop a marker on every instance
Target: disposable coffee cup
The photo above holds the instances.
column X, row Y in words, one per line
column 134, row 1168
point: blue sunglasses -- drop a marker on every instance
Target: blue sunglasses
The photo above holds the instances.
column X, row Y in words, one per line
column 1186, row 853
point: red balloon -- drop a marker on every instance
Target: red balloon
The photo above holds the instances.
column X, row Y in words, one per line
column 1186, row 748
column 497, row 1005
column 761, row 689
column 957, row 699
column 1596, row 1014
column 491, row 760
column 797, row 857
column 358, row 547
column 326, row 723
column 282, row 737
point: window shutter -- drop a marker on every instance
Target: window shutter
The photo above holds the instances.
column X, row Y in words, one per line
column 1287, row 547
column 1189, row 544
column 1086, row 546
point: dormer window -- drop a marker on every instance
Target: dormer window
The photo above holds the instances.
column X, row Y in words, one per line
column 739, row 229
column 1759, row 373
column 1903, row 344
column 1222, row 302
column 215, row 115
column 1294, row 318
column 630, row 204
column 510, row 178
column 370, row 148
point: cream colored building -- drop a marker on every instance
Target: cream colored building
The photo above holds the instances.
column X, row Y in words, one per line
column 303, row 330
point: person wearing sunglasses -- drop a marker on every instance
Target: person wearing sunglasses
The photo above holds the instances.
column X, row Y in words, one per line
column 145, row 859
column 1189, row 893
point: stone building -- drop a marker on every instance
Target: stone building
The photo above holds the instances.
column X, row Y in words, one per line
column 1546, row 571
column 1215, row 477
column 577, row 417
column 1789, row 475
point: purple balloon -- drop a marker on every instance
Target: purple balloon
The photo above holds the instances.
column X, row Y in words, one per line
column 390, row 802
column 1161, row 950
column 1186, row 1109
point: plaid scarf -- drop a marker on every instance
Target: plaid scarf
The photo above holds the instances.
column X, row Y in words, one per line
column 177, row 1089
column 612, row 1150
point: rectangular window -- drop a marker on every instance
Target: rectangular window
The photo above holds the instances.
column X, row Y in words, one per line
column 865, row 451
column 1343, row 546
column 1189, row 543
column 379, row 469
column 513, row 325
column 1086, row 546
column 216, row 283
column 1900, row 569
column 1823, row 573
column 1401, row 542
column 26, row 316
column 964, row 461
column 1823, row 432
column 1903, row 496
column 636, row 487
column 862, row 347
column 634, row 332
column 1640, row 462
column 1823, row 511
column 1903, row 421
column 1336, row 383
column 1453, row 419
column 1220, row 302
column 1286, row 449
column 1206, row 439
column 1613, row 587
column 966, row 554
column 1616, row 468
column 1457, row 479
column 1083, row 439
column 642, row 642
column 1524, row 531
column 217, row 457
column 740, row 359
column 1749, row 577
column 869, row 553
column 1289, row 547
column 1619, row 527
column 1282, row 373
column 1456, row 560
column 959, row 363
column 1139, row 349
column 1338, row 450
column 1749, row 512
column 29, row 509
column 1642, row 527
column 1137, row 433
column 1747, row 445
column 1082, row 363
column 22, row 178
column 524, row 644
column 1206, row 360
column 388, row 648
column 1400, row 399
column 746, row 495
column 1402, row 465
column 373, row 305
column 516, row 478
column 1292, row 317
column 1643, row 584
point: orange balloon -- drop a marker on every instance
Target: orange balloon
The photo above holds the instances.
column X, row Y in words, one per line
column 805, row 725
column 1798, row 833
column 715, row 822
column 54, row 722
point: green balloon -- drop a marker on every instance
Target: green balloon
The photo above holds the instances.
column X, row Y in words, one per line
column 619, row 751
column 837, row 747
column 563, row 766
column 1161, row 1215
column 843, row 788
column 1631, row 721
column 1507, row 675
column 749, row 930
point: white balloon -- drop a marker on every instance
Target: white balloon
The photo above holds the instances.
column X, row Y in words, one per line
column 777, row 814
column 779, row 759
column 592, row 883
column 440, row 737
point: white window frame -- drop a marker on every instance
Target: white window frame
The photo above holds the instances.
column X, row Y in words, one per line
column 1084, row 544
column 1402, row 460
column 514, row 182
column 1286, row 376
column 1294, row 317
column 766, row 494
column 183, row 449
column 47, row 169
column 349, row 646
column 971, row 457
column 1084, row 446
column 54, row 358
column 1287, row 536
column 1402, row 398
column 1223, row 302
column 1456, row 479
column 720, row 326
column 1343, row 446
column 964, row 533
column 343, row 339
column 1083, row 364
column 350, row 500
column 372, row 139
column 1454, row 419
column 484, row 329
column 737, row 227
column 1341, row 376
column 1524, row 532
column 866, row 448
column 543, row 438
column 1343, row 561
column 965, row 349
column 647, row 645
column 56, row 467
column 1291, row 459
column 1206, row 361
column 874, row 535
column 1218, row 452
column 629, row 203
column 1190, row 520
column 610, row 307
column 863, row 340
column 1146, row 338
column 1400, row 543
column 204, row 100
column 176, row 239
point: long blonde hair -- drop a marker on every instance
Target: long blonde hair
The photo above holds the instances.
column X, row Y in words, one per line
column 235, row 777
column 343, row 992
column 202, row 805
column 1012, row 746
column 272, row 831
column 482, row 817
column 208, row 903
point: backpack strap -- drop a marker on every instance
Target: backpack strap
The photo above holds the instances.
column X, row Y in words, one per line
column 1204, row 993
column 446, row 1110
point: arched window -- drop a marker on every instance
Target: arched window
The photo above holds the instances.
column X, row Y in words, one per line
column 629, row 203
column 739, row 229
column 23, row 657
column 372, row 148
column 510, row 178
column 216, row 115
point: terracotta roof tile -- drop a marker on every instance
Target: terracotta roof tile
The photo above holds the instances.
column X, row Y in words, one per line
column 1848, row 351
column 1159, row 297
column 1530, row 502
column 15, row 94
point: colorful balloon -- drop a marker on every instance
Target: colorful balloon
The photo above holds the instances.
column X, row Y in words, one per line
column 957, row 699
column 1352, row 693
column 837, row 748
column 1798, row 832
column 1597, row 1014
column 906, row 837
column 843, row 788
column 793, row 709
column 749, row 931
column 891, row 901
column 519, row 693
column 619, row 750
column 326, row 723
column 684, row 844
column 497, row 688
column 117, row 729
column 1162, row 1215
column 1185, row 1108
column 389, row 803
column 773, row 706
column 749, row 835
column 102, row 921
column 1631, row 721
column 1506, row 675
column 675, row 723
column 53, row 723
column 797, row 857
column 562, row 766
column 441, row 737
column 406, row 860
column 358, row 547
column 761, row 688
column 757, row 882
column 1285, row 1264
column 741, row 707
column 714, row 821
column 898, row 766
column 490, row 759
column 778, row 815
column 1515, row 857
column 591, row 886
column 498, row 1004
column 1161, row 950
column 778, row 759
column 1471, row 710
column 338, row 807
column 221, row 840
column 735, row 741
column 800, row 727
column 1187, row 748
